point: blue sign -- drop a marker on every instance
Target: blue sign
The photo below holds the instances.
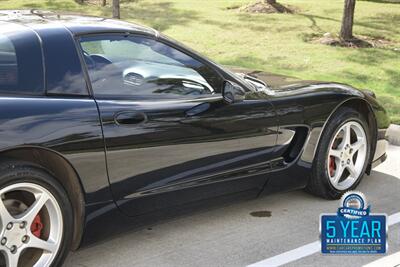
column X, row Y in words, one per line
column 353, row 230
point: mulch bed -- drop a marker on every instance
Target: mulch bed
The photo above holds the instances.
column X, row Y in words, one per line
column 358, row 41
column 263, row 7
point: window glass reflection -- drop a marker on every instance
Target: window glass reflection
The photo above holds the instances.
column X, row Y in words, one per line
column 127, row 65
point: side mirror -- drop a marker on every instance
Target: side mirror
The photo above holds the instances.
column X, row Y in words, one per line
column 233, row 92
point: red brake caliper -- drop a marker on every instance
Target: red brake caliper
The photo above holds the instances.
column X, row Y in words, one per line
column 332, row 165
column 37, row 226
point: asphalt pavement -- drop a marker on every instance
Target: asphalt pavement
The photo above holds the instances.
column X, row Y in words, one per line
column 277, row 227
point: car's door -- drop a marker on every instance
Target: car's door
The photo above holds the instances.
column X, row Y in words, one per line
column 170, row 138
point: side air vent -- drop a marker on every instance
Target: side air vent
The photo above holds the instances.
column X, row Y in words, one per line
column 296, row 145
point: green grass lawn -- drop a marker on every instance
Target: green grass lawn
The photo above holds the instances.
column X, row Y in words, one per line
column 271, row 42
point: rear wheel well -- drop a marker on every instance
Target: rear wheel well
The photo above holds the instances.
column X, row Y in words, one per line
column 65, row 174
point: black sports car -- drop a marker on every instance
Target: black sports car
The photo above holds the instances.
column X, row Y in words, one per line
column 106, row 125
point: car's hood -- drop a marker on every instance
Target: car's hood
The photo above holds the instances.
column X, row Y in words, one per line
column 276, row 82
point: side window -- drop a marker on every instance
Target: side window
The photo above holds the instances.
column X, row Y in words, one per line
column 21, row 67
column 8, row 64
column 140, row 66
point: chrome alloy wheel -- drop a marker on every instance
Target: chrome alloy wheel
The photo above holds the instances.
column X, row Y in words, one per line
column 347, row 155
column 31, row 225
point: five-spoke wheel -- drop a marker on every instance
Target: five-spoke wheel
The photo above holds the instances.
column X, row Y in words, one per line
column 35, row 217
column 31, row 225
column 342, row 155
column 347, row 155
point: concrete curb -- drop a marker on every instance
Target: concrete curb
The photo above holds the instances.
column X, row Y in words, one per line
column 393, row 134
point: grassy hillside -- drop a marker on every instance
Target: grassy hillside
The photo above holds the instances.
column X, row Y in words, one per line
column 272, row 42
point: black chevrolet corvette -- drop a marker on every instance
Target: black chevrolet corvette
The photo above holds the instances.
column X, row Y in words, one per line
column 107, row 125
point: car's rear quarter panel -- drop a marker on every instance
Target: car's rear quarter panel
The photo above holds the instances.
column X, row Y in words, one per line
column 70, row 127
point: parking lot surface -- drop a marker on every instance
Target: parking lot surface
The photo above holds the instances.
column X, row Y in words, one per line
column 233, row 236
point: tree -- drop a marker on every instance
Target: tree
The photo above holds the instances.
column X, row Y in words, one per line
column 104, row 2
column 346, row 32
column 115, row 9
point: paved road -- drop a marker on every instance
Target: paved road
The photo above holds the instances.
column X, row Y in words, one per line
column 231, row 236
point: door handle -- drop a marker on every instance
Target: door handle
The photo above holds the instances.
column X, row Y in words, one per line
column 130, row 117
column 197, row 110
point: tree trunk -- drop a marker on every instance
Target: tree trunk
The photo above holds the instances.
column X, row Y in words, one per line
column 271, row 2
column 116, row 13
column 104, row 3
column 346, row 33
column 79, row 1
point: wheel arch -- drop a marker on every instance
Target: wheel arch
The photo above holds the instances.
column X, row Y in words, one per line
column 366, row 110
column 63, row 171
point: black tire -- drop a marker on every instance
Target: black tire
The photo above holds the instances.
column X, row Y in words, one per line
column 12, row 172
column 319, row 183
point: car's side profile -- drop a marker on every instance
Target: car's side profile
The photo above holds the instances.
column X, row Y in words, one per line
column 106, row 125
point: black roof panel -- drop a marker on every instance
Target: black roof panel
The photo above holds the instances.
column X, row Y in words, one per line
column 77, row 24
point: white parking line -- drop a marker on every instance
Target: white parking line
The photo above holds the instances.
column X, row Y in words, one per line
column 305, row 250
column 388, row 261
column 394, row 219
